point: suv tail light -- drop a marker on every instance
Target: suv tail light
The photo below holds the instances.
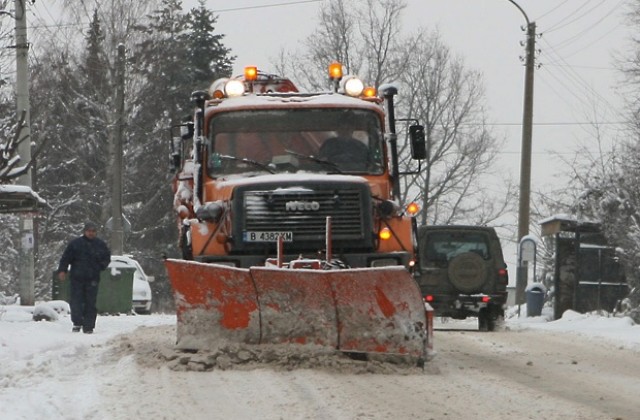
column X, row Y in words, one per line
column 486, row 299
column 428, row 298
column 504, row 275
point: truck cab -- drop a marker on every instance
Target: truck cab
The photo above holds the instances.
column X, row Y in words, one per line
column 270, row 164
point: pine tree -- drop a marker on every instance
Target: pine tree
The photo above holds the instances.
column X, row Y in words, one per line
column 95, row 64
column 208, row 58
column 75, row 112
column 160, row 58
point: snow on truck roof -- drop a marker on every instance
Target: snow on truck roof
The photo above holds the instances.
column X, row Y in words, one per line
column 328, row 99
column 287, row 177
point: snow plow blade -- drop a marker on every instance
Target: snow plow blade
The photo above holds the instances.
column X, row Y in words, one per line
column 376, row 310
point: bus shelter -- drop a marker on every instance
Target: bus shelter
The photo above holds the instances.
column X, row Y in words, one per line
column 587, row 274
column 19, row 199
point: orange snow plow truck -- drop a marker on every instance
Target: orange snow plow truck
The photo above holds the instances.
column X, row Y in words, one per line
column 290, row 227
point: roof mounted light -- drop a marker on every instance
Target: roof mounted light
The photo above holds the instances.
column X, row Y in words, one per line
column 335, row 71
column 234, row 87
column 352, row 86
column 369, row 92
column 250, row 73
column 216, row 90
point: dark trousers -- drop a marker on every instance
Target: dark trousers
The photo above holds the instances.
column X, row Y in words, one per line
column 83, row 303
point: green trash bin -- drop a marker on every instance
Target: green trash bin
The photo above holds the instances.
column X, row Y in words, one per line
column 114, row 293
column 60, row 289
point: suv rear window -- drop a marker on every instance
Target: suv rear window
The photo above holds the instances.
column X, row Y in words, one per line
column 444, row 246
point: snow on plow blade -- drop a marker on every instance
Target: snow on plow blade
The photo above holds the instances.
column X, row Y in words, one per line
column 377, row 310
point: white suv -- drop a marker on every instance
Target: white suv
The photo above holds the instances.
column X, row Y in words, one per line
column 141, row 302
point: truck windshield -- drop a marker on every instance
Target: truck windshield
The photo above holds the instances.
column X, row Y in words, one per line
column 310, row 140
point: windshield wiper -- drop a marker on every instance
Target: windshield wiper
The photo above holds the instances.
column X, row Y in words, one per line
column 315, row 159
column 249, row 161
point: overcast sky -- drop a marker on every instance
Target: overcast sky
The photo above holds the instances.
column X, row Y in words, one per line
column 578, row 39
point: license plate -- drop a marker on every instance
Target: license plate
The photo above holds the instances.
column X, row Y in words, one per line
column 267, row 236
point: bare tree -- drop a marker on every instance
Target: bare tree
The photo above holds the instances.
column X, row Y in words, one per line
column 448, row 100
column 604, row 188
column 435, row 88
column 380, row 32
column 363, row 36
column 7, row 42
column 11, row 167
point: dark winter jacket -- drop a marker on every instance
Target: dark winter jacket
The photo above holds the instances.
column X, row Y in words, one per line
column 87, row 257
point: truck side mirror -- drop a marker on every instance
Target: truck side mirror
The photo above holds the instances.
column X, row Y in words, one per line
column 177, row 143
column 176, row 153
column 186, row 130
column 418, row 143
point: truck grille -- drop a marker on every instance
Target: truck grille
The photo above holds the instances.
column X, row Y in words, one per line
column 304, row 213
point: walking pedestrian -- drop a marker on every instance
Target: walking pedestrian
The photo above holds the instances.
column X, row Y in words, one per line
column 87, row 255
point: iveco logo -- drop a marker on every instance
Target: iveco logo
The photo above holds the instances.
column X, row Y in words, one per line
column 302, row 206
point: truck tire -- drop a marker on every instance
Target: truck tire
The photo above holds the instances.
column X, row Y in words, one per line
column 467, row 272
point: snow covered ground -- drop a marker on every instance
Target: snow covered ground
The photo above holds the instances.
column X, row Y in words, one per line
column 46, row 371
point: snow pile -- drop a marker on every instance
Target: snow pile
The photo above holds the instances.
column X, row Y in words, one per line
column 621, row 330
column 154, row 347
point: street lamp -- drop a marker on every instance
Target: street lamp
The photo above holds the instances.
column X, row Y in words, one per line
column 525, row 157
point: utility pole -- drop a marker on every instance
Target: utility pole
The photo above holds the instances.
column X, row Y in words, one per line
column 527, row 133
column 525, row 157
column 26, row 253
column 117, row 233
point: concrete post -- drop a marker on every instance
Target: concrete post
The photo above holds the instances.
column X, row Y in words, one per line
column 27, row 241
column 117, row 234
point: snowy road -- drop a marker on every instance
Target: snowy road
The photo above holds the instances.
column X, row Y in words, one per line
column 504, row 375
column 518, row 373
column 538, row 374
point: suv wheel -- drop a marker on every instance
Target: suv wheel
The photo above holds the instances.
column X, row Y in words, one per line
column 483, row 320
column 467, row 272
column 490, row 317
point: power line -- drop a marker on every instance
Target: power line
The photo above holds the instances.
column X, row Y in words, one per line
column 563, row 44
column 264, row 6
column 559, row 25
column 583, row 101
column 60, row 25
column 578, row 66
column 574, row 77
column 543, row 124
column 551, row 11
column 558, row 123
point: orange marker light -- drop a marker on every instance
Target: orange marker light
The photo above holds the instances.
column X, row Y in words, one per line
column 250, row 73
column 369, row 92
column 335, row 71
column 384, row 234
column 413, row 209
